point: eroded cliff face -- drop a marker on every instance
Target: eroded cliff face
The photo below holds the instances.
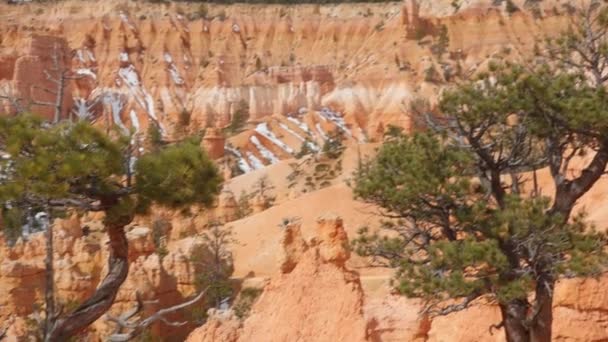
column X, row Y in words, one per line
column 316, row 297
column 352, row 68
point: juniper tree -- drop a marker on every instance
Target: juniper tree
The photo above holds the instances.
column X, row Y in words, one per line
column 463, row 201
column 75, row 167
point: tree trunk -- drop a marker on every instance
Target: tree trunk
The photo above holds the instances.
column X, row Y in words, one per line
column 514, row 314
column 103, row 298
column 541, row 328
column 49, row 285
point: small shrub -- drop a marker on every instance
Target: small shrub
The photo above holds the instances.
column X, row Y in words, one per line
column 243, row 208
column 321, row 167
column 379, row 26
column 247, row 298
column 239, row 119
column 155, row 138
column 184, row 118
column 511, row 7
column 221, row 15
column 305, row 149
column 324, row 184
column 333, row 147
column 258, row 64
column 431, row 75
column 443, row 42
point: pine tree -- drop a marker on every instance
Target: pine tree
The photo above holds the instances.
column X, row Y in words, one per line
column 464, row 201
column 216, row 264
column 71, row 167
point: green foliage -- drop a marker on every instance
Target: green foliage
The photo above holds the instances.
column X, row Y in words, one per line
column 511, row 7
column 443, row 42
column 431, row 75
column 243, row 206
column 245, row 301
column 215, row 264
column 13, row 219
column 464, row 221
column 239, row 118
column 333, row 147
column 184, row 118
column 155, row 137
column 55, row 168
column 305, row 149
column 44, row 160
column 393, row 132
column 177, row 175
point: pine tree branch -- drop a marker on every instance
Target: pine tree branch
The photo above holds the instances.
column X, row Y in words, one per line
column 446, row 310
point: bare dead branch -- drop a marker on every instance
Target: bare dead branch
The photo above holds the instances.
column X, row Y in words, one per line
column 136, row 328
column 496, row 327
column 448, row 309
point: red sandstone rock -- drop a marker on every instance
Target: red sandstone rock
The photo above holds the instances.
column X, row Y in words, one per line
column 46, row 57
column 213, row 143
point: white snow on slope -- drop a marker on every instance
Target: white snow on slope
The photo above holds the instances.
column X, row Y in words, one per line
column 139, row 94
column 129, row 75
column 321, row 132
column 116, row 106
column 134, row 120
column 175, row 76
column 303, row 126
column 242, row 163
column 291, row 131
column 257, row 164
column 263, row 130
column 310, row 144
column 86, row 72
column 266, row 153
column 82, row 110
column 326, row 114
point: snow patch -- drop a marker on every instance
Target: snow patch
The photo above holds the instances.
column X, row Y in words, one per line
column 177, row 79
column 241, row 162
column 134, row 120
column 124, row 57
column 129, row 75
column 116, row 106
column 145, row 100
column 300, row 124
column 266, row 153
column 83, row 110
column 257, row 163
column 263, row 130
column 328, row 115
column 86, row 72
column 80, row 55
column 91, row 56
column 291, row 131
column 309, row 143
column 321, row 132
column 125, row 19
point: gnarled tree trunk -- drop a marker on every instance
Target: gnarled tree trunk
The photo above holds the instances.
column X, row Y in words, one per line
column 101, row 301
column 514, row 314
column 541, row 327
